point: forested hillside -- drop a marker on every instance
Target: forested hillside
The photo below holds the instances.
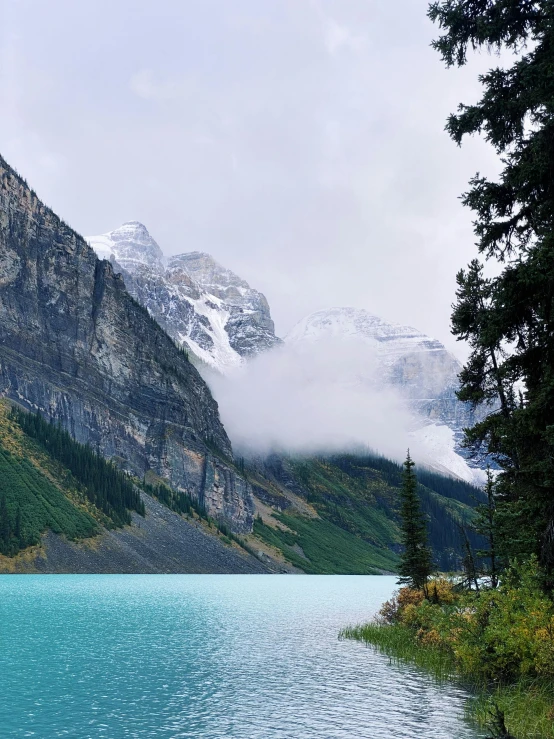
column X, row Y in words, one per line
column 37, row 493
column 352, row 523
column 55, row 494
column 50, row 482
column 321, row 515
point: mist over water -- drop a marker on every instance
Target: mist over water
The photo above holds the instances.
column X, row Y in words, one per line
column 327, row 396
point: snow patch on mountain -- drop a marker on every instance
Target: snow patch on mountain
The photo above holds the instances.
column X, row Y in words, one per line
column 331, row 383
column 130, row 245
column 202, row 305
column 438, row 442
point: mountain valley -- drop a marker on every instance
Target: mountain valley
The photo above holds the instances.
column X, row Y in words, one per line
column 108, row 350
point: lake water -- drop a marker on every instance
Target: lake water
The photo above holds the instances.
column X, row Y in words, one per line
column 207, row 656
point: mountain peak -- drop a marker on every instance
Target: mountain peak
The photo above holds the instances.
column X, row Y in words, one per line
column 134, row 224
column 200, row 303
column 130, row 245
column 359, row 323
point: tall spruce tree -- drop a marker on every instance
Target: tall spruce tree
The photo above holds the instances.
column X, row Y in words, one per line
column 509, row 319
column 486, row 525
column 18, row 532
column 416, row 560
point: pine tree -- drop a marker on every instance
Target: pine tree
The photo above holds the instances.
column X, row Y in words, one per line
column 486, row 525
column 18, row 533
column 469, row 568
column 416, row 560
column 5, row 527
column 509, row 319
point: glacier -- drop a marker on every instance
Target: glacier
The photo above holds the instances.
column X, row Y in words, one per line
column 418, row 367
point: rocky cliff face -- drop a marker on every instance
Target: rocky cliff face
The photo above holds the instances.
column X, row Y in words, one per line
column 77, row 347
column 420, row 368
column 203, row 306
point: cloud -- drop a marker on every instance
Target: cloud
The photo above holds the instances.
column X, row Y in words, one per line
column 308, row 399
column 142, row 84
column 339, row 37
column 301, row 143
column 145, row 85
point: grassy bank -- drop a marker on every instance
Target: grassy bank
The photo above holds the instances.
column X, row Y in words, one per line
column 397, row 642
column 499, row 642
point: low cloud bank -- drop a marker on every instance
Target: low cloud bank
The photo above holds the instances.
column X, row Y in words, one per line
column 322, row 397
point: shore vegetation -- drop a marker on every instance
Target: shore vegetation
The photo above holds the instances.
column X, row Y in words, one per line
column 498, row 641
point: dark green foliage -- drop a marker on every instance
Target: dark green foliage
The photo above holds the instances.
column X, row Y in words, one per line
column 508, row 320
column 177, row 501
column 320, row 547
column 416, row 559
column 108, row 488
column 360, row 494
column 5, row 525
column 391, row 472
column 469, row 566
column 30, row 504
column 486, row 525
column 357, row 500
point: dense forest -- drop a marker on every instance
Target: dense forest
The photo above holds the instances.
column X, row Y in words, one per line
column 31, row 500
column 448, row 521
column 30, row 503
column 107, row 487
column 357, row 499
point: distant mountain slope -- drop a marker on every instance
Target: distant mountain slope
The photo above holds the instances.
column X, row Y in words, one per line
column 336, row 515
column 77, row 347
column 340, row 514
column 203, row 306
column 420, row 368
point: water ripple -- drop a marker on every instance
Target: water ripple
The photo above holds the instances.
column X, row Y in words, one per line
column 207, row 657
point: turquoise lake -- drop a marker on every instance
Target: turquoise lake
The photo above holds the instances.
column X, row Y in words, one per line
column 210, row 657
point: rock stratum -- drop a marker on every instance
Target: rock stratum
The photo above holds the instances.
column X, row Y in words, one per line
column 78, row 348
column 203, row 306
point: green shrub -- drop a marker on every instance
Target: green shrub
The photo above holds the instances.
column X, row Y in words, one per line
column 501, row 640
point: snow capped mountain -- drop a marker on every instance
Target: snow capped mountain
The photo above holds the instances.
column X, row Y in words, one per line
column 203, row 306
column 420, row 368
column 249, row 325
column 223, row 321
column 132, row 247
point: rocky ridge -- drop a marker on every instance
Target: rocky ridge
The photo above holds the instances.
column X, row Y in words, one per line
column 203, row 306
column 222, row 321
column 77, row 347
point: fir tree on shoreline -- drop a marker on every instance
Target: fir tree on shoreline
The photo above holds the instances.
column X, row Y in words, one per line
column 508, row 319
column 416, row 560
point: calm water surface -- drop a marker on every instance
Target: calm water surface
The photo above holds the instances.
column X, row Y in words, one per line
column 207, row 656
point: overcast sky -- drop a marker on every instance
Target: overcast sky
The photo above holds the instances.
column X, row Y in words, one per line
column 301, row 142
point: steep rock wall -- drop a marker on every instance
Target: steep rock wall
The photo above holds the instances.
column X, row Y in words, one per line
column 77, row 347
